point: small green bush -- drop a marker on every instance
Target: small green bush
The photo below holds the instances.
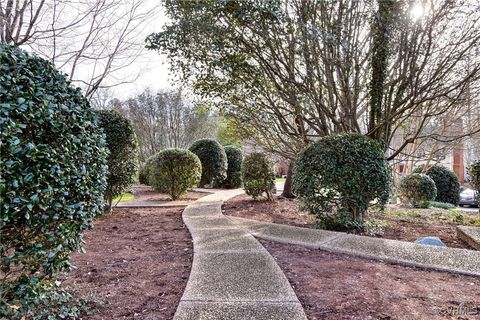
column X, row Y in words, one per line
column 122, row 152
column 144, row 172
column 442, row 205
column 257, row 175
column 418, row 190
column 448, row 187
column 175, row 171
column 474, row 173
column 53, row 177
column 342, row 174
column 344, row 223
column 214, row 161
column 234, row 169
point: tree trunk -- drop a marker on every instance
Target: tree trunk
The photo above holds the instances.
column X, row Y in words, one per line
column 287, row 188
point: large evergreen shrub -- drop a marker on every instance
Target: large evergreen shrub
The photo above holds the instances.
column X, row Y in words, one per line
column 214, row 161
column 174, row 171
column 448, row 186
column 234, row 168
column 418, row 190
column 342, row 174
column 53, row 176
column 257, row 175
column 122, row 152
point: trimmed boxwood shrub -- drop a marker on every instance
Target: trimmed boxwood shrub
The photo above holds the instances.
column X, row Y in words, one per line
column 342, row 174
column 448, row 186
column 122, row 152
column 474, row 173
column 257, row 175
column 234, row 168
column 417, row 189
column 174, row 171
column 144, row 172
column 214, row 161
column 53, row 176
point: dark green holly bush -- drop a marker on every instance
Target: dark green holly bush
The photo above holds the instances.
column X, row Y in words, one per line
column 122, row 152
column 342, row 173
column 417, row 189
column 174, row 171
column 234, row 168
column 53, row 175
column 214, row 161
column 257, row 175
column 448, row 187
column 474, row 173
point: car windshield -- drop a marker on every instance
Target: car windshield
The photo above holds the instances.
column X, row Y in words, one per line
column 468, row 192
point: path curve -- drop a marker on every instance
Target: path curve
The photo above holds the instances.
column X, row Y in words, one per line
column 233, row 276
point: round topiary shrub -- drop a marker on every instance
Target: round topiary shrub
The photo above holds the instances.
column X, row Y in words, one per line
column 144, row 172
column 122, row 152
column 342, row 174
column 417, row 189
column 174, row 171
column 214, row 161
column 53, row 176
column 257, row 175
column 474, row 173
column 234, row 168
column 448, row 186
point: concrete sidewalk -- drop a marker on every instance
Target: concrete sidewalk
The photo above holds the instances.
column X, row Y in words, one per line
column 460, row 261
column 232, row 276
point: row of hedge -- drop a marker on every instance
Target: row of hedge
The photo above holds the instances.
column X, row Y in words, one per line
column 426, row 184
column 206, row 163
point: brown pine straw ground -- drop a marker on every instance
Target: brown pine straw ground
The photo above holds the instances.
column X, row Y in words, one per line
column 137, row 262
column 337, row 286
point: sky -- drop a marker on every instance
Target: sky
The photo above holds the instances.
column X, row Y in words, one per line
column 155, row 65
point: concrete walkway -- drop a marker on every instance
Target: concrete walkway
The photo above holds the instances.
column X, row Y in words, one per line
column 460, row 261
column 232, row 276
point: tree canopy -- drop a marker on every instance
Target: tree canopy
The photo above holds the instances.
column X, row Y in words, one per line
column 314, row 68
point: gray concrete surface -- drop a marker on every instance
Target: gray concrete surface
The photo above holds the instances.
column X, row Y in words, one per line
column 460, row 261
column 232, row 276
column 470, row 235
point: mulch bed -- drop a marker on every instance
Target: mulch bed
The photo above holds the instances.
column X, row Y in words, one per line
column 137, row 263
column 146, row 193
column 285, row 211
column 335, row 286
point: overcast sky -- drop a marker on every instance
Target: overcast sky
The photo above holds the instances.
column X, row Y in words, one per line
column 155, row 65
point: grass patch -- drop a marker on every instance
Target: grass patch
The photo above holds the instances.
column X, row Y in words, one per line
column 124, row 197
column 280, row 179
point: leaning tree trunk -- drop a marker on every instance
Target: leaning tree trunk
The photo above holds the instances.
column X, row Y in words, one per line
column 287, row 188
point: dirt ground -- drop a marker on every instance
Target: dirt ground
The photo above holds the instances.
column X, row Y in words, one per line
column 334, row 286
column 401, row 227
column 146, row 193
column 137, row 262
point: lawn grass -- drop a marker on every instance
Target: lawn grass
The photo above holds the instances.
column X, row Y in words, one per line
column 280, row 179
column 124, row 197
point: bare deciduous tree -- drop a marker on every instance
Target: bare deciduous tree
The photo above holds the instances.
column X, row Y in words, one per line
column 167, row 119
column 91, row 40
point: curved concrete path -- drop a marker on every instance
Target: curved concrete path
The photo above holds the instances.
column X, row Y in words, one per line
column 232, row 276
column 454, row 260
